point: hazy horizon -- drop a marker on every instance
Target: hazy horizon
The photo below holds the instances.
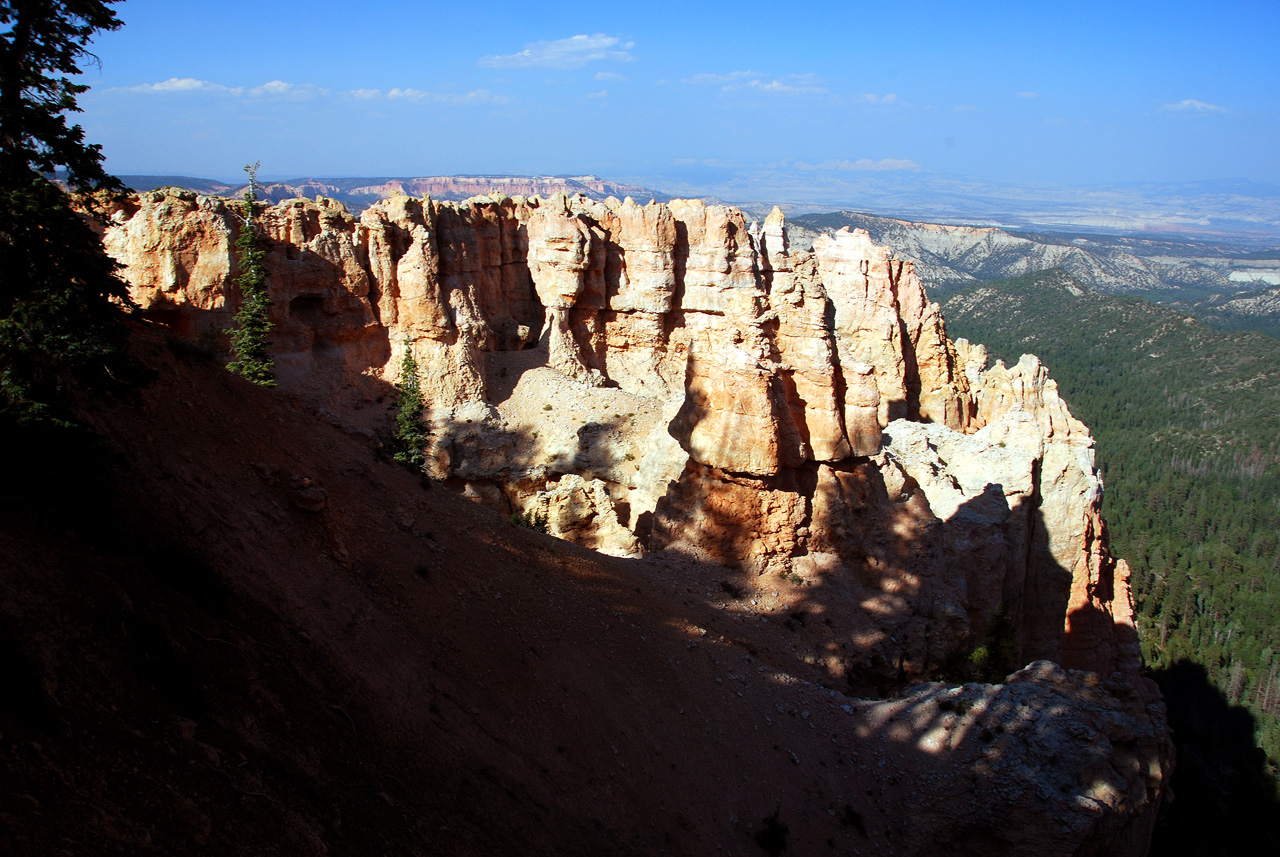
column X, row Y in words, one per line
column 824, row 104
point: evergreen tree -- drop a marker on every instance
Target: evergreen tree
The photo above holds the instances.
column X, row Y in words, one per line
column 62, row 309
column 409, row 437
column 253, row 322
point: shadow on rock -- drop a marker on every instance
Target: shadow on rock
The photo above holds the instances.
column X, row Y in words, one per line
column 1223, row 793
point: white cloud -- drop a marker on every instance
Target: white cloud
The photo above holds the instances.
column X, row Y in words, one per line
column 889, row 98
column 186, row 84
column 964, row 108
column 1027, row 94
column 475, row 96
column 573, row 52
column 280, row 88
column 730, row 78
column 1190, row 104
column 791, row 84
column 601, row 94
column 277, row 89
column 272, row 88
column 866, row 165
column 607, row 75
column 782, row 88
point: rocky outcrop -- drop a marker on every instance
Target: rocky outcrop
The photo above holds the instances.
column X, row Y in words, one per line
column 672, row 379
column 768, row 381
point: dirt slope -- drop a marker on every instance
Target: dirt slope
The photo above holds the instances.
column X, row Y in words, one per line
column 252, row 636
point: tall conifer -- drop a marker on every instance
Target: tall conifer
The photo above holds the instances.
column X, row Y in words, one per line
column 62, row 308
column 253, row 321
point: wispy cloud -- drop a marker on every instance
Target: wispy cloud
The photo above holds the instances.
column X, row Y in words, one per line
column 1027, row 94
column 283, row 89
column 607, row 75
column 604, row 93
column 791, row 84
column 707, row 79
column 573, row 52
column 796, row 84
column 303, row 91
column 888, row 98
column 185, row 84
column 964, row 108
column 475, row 96
column 1191, row 105
column 272, row 88
column 864, row 165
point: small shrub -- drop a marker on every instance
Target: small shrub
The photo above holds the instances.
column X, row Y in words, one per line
column 980, row 660
column 996, row 657
column 529, row 520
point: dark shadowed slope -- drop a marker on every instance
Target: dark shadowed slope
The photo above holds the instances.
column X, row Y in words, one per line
column 233, row 630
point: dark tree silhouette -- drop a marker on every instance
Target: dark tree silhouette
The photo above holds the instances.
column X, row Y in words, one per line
column 62, row 308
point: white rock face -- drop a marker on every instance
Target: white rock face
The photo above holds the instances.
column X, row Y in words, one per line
column 582, row 511
column 708, row 388
column 666, row 381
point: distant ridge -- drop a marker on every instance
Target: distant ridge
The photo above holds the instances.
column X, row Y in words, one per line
column 1229, row 286
column 358, row 193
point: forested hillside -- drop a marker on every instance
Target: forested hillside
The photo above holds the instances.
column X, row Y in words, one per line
column 1223, row 285
column 1187, row 423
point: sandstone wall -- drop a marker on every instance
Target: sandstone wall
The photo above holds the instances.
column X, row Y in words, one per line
column 670, row 377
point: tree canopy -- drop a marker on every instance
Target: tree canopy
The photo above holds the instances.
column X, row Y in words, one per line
column 61, row 305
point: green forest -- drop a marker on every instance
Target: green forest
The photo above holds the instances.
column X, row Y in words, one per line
column 1186, row 422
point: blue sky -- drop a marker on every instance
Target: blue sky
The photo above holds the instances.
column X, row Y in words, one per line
column 1075, row 94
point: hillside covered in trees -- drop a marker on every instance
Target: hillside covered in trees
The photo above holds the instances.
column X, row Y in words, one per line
column 1186, row 421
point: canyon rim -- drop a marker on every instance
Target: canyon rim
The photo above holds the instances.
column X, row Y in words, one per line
column 674, row 385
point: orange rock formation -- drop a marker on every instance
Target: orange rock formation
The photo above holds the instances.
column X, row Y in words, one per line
column 803, row 415
column 671, row 379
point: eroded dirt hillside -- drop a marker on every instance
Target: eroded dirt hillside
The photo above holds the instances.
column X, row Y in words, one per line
column 251, row 635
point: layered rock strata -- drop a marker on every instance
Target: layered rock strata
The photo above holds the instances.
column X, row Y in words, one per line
column 673, row 380
column 670, row 377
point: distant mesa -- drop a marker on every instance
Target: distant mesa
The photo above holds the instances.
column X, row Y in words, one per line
column 359, row 193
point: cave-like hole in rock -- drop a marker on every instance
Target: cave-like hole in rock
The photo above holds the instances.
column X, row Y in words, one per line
column 307, row 308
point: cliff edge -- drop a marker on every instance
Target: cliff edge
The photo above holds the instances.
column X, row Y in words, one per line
column 671, row 382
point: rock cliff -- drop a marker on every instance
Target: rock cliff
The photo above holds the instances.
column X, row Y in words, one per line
column 673, row 380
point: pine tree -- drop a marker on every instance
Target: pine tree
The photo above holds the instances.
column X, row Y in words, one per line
column 409, row 437
column 253, row 321
column 62, row 309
